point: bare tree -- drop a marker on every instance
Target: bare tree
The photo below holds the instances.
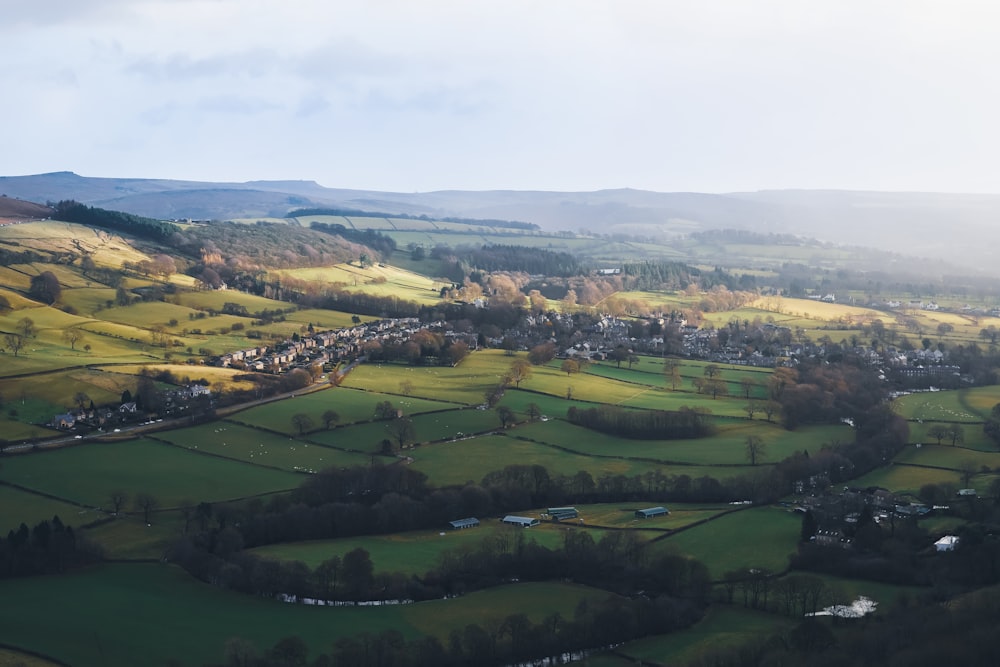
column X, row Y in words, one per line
column 14, row 343
column 755, row 449
column 505, row 415
column 147, row 504
column 118, row 498
column 72, row 336
column 534, row 412
column 26, row 326
column 402, row 430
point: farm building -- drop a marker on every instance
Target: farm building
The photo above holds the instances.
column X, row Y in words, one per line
column 523, row 521
column 462, row 524
column 563, row 513
column 947, row 543
column 650, row 512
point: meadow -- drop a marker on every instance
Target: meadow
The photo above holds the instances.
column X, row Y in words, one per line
column 131, row 614
column 87, row 473
column 761, row 537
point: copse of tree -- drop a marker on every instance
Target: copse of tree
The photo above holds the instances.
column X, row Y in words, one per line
column 47, row 548
column 522, row 258
column 72, row 211
column 45, row 287
column 644, row 424
column 383, row 244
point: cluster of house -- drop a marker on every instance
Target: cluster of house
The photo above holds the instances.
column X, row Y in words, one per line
column 104, row 417
column 324, row 347
column 554, row 514
column 837, row 513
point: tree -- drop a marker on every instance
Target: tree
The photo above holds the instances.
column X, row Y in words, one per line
column 302, row 422
column 771, row 408
column 809, row 526
column 542, row 353
column 570, row 366
column 967, row 469
column 385, row 410
column 520, row 370
column 672, row 373
column 402, row 430
column 751, row 408
column 406, row 387
column 13, row 342
column 956, row 433
column 45, row 288
column 117, row 498
column 147, row 504
column 716, row 387
column 506, row 416
column 711, row 371
column 534, row 412
column 938, row 431
column 26, row 327
column 755, row 449
column 80, row 398
column 747, row 385
column 73, row 335
column 330, row 417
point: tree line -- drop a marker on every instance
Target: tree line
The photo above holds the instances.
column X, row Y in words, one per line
column 644, row 424
column 47, row 548
column 136, row 225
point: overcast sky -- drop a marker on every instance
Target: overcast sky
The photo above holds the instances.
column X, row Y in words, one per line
column 421, row 95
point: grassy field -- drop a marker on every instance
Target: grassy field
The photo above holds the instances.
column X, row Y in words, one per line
column 377, row 279
column 464, row 384
column 726, row 447
column 418, row 551
column 87, row 473
column 723, row 627
column 352, row 406
column 17, row 507
column 261, row 448
column 762, row 537
column 132, row 614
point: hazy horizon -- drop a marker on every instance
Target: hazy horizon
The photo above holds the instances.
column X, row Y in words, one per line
column 717, row 97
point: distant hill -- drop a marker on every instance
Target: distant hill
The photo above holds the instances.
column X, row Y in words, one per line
column 953, row 227
column 18, row 209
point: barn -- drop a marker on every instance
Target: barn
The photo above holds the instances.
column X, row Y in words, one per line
column 563, row 513
column 522, row 521
column 462, row 524
column 650, row 512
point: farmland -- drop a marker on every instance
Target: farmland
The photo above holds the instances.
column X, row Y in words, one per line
column 240, row 464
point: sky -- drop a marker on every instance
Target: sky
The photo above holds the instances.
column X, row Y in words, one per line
column 573, row 95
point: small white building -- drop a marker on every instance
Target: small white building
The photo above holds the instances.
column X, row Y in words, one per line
column 946, row 543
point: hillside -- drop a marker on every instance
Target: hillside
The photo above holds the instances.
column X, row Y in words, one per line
column 17, row 209
column 905, row 223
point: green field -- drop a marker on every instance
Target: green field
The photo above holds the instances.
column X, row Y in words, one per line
column 133, row 614
column 87, row 473
column 761, row 537
column 261, row 448
column 727, row 447
column 17, row 507
column 351, row 405
column 723, row 627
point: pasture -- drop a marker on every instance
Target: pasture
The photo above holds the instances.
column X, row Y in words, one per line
column 159, row 612
column 87, row 473
column 760, row 537
column 376, row 279
column 464, row 384
column 907, row 479
column 416, row 552
column 727, row 447
column 17, row 507
column 723, row 627
column 352, row 406
column 946, row 406
column 261, row 448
